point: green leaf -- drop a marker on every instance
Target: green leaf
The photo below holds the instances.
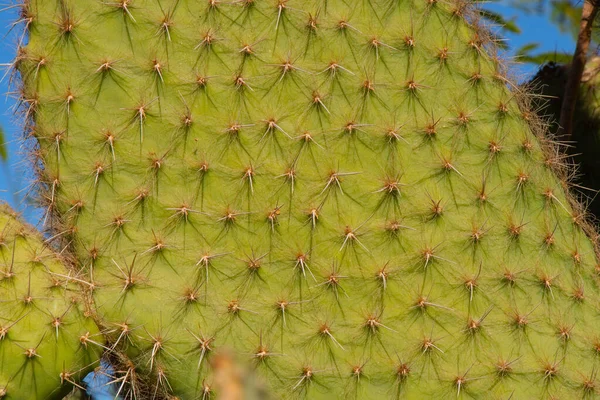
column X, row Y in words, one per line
column 526, row 49
column 497, row 19
column 529, row 6
column 3, row 152
column 542, row 58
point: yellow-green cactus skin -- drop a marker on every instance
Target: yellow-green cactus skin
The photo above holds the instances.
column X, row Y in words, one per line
column 346, row 194
column 48, row 340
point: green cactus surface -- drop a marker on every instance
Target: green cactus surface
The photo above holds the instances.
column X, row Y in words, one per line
column 48, row 341
column 350, row 196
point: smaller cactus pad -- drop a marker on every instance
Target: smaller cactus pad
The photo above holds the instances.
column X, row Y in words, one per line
column 48, row 342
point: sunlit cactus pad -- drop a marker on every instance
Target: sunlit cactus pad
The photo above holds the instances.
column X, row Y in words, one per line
column 48, row 342
column 346, row 194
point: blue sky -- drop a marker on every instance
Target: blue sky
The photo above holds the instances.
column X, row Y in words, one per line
column 535, row 28
column 15, row 175
column 12, row 172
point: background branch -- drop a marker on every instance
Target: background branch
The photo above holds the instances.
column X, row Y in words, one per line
column 590, row 10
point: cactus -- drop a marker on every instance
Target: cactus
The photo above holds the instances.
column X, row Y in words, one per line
column 48, row 341
column 346, row 195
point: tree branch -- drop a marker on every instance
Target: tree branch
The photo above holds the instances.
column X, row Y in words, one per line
column 590, row 10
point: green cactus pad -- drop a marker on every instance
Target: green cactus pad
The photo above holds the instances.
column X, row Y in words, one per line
column 48, row 342
column 346, row 194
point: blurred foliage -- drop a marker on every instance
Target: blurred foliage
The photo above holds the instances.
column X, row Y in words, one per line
column 3, row 153
column 498, row 19
column 564, row 14
column 567, row 16
column 526, row 54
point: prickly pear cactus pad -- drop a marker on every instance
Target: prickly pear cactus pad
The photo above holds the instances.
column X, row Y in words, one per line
column 346, row 194
column 47, row 340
